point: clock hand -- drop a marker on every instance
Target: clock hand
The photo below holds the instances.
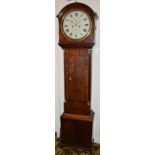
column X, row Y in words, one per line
column 78, row 23
column 72, row 22
column 80, row 17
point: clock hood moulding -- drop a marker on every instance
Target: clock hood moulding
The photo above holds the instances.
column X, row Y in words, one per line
column 87, row 42
column 79, row 6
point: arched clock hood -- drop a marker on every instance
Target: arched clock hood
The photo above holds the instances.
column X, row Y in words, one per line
column 88, row 42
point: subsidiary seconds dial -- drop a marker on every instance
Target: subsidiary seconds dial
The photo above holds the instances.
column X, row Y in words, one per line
column 76, row 25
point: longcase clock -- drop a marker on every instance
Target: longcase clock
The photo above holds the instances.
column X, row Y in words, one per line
column 76, row 37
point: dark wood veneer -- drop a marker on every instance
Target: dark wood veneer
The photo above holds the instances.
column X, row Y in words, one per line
column 77, row 69
column 76, row 130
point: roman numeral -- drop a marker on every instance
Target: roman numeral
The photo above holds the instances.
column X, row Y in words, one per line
column 85, row 19
column 84, row 30
column 70, row 34
column 76, row 14
column 67, row 30
column 75, row 35
column 86, row 24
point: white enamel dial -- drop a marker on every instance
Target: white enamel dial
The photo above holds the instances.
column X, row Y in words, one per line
column 76, row 24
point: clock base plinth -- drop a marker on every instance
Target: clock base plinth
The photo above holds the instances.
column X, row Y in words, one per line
column 76, row 130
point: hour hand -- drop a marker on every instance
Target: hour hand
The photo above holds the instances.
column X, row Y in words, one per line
column 72, row 22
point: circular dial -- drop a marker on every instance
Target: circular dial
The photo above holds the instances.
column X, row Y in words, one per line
column 76, row 25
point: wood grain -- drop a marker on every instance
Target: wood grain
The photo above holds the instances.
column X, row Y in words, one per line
column 77, row 130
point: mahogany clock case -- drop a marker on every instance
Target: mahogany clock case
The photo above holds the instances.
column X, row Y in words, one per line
column 77, row 119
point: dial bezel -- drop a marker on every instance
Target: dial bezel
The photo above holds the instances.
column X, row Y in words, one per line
column 62, row 29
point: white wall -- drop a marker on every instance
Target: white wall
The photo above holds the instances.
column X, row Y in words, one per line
column 59, row 88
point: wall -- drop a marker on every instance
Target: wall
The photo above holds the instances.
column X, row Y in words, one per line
column 59, row 86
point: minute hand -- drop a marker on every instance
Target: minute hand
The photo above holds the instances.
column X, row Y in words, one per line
column 78, row 23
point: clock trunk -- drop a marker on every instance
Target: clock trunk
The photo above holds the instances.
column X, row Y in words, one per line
column 77, row 68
